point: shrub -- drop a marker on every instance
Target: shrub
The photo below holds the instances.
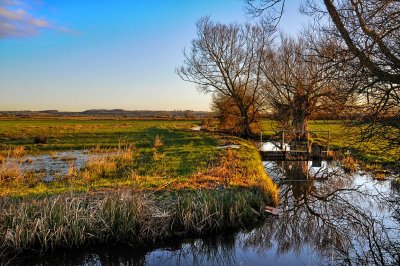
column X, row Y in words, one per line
column 41, row 139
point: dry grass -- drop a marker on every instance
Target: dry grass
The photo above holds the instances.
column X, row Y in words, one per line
column 81, row 219
column 18, row 152
column 381, row 174
column 68, row 221
column 157, row 142
column 121, row 203
column 332, row 155
column 349, row 164
column 229, row 172
column 118, row 167
column 13, row 175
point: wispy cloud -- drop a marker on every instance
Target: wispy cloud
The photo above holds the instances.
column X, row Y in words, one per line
column 17, row 21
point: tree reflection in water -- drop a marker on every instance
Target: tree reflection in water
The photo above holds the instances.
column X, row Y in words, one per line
column 327, row 217
column 347, row 219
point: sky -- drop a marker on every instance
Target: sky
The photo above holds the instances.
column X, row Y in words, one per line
column 76, row 55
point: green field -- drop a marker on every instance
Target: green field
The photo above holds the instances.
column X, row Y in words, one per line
column 153, row 154
column 83, row 134
column 346, row 138
column 142, row 155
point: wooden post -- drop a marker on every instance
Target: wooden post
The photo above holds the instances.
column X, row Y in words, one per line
column 329, row 139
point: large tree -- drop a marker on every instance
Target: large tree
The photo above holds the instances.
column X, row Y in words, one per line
column 364, row 37
column 229, row 115
column 226, row 60
column 298, row 83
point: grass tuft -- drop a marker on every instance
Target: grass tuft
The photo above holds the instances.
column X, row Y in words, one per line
column 349, row 164
column 18, row 152
column 157, row 142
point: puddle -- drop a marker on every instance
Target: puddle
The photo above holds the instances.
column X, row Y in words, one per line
column 55, row 164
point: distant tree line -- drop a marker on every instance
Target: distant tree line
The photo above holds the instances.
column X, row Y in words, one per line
column 112, row 113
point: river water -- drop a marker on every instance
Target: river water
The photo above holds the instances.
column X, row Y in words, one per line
column 326, row 217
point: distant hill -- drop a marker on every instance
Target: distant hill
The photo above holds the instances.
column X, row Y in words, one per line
column 176, row 114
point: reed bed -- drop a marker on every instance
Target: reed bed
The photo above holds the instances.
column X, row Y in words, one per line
column 75, row 220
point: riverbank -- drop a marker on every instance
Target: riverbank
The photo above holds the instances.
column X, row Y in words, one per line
column 169, row 182
column 123, row 215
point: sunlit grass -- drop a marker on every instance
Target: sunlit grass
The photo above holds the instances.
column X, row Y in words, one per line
column 225, row 168
column 80, row 219
column 155, row 182
column 81, row 134
column 152, row 155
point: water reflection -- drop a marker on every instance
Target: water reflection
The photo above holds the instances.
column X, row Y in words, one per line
column 327, row 218
column 345, row 218
column 55, row 164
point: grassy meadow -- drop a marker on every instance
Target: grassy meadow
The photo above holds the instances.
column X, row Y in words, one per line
column 150, row 155
column 64, row 134
column 154, row 179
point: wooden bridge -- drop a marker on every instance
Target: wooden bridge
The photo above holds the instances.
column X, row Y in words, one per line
column 294, row 145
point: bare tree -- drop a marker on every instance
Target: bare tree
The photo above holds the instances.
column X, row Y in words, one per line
column 227, row 59
column 229, row 115
column 298, row 83
column 370, row 30
column 365, row 41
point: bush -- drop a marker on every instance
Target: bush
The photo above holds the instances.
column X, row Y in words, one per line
column 42, row 139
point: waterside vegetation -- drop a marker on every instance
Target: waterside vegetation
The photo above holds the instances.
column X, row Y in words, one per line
column 156, row 181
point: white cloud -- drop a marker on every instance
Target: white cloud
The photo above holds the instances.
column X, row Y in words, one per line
column 16, row 21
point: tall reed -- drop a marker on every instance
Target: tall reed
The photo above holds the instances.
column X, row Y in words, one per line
column 81, row 219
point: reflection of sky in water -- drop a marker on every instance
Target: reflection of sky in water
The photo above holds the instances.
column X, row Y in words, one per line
column 239, row 255
column 273, row 146
column 56, row 164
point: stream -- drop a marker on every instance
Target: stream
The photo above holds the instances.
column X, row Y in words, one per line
column 326, row 217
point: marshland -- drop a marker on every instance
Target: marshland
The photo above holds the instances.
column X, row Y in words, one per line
column 260, row 132
column 142, row 185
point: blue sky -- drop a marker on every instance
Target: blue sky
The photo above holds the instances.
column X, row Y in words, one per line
column 76, row 55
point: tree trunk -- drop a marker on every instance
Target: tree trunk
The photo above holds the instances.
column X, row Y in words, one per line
column 301, row 113
column 245, row 123
column 300, row 121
